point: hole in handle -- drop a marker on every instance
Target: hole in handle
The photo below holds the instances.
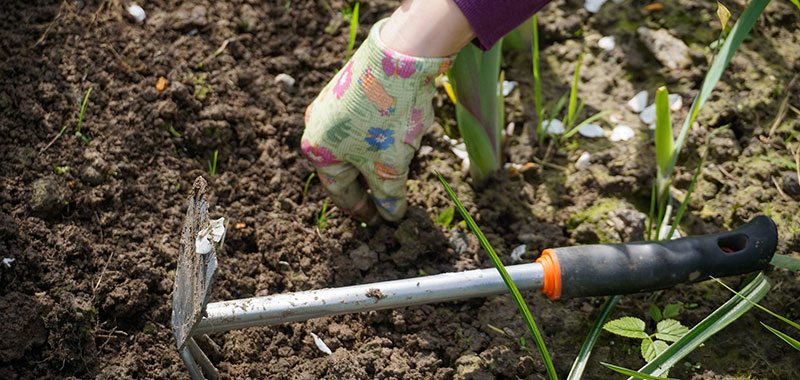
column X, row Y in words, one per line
column 733, row 243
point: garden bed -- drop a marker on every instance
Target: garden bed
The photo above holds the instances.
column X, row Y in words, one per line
column 93, row 228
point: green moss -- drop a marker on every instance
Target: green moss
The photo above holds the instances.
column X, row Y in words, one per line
column 594, row 215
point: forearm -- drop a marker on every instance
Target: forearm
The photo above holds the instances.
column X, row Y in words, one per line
column 427, row 28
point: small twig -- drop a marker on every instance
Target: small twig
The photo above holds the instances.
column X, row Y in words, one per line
column 50, row 26
column 549, row 165
column 94, row 290
column 53, row 140
column 122, row 60
column 97, row 12
column 778, row 186
column 725, row 173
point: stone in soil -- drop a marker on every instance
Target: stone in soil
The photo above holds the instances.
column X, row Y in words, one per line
column 790, row 185
column 49, row 196
column 668, row 49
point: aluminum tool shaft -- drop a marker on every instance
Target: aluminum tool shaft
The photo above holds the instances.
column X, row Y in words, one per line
column 300, row 306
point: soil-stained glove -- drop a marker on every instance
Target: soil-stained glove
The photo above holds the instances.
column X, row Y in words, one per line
column 368, row 121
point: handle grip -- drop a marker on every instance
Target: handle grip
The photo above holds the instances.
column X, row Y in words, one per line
column 610, row 269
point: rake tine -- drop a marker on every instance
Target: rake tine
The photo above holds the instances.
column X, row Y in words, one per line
column 194, row 371
column 202, row 359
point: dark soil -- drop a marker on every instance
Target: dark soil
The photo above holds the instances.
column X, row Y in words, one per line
column 94, row 227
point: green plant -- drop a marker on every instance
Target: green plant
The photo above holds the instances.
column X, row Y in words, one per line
column 212, row 166
column 324, row 216
column 353, row 16
column 308, row 181
column 80, row 117
column 171, row 129
column 523, row 307
column 632, row 373
column 445, row 217
column 479, row 107
column 667, row 330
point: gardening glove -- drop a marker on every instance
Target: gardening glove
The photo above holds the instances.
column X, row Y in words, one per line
column 368, row 121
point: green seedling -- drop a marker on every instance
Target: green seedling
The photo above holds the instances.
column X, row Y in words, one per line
column 475, row 78
column 80, row 117
column 324, row 216
column 171, row 129
column 445, row 217
column 60, row 170
column 201, row 88
column 786, row 163
column 787, row 262
column 667, row 330
column 523, row 307
column 212, row 166
column 308, row 182
column 670, row 311
column 353, row 16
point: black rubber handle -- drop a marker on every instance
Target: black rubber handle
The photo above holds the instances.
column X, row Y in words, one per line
column 611, row 269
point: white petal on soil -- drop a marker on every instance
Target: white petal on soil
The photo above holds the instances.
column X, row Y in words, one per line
column 516, row 254
column 555, row 127
column 621, row 133
column 583, row 161
column 675, row 102
column 593, row 5
column 510, row 128
column 425, row 150
column 509, row 86
column 638, row 101
column 648, row 116
column 615, row 118
column 206, row 238
column 512, row 165
column 217, row 229
column 285, row 79
column 7, row 262
column 460, row 151
column 136, row 12
column 607, row 43
column 591, row 130
column 320, row 344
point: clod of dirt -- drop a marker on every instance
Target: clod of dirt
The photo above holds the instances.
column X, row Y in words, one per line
column 8, row 226
column 790, row 185
column 49, row 197
column 472, row 367
column 363, row 257
column 408, row 237
column 91, row 175
column 189, row 16
column 668, row 49
column 23, row 327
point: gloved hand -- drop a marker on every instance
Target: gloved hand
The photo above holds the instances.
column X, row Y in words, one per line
column 368, row 121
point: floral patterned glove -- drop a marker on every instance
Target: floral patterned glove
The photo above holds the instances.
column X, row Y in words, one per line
column 368, row 121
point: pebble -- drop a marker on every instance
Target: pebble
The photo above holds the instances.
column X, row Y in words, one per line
column 638, row 102
column 555, row 127
column 136, row 12
column 668, row 49
column 675, row 102
column 648, row 115
column 516, row 254
column 285, row 79
column 593, row 5
column 790, row 185
column 509, row 86
column 48, row 197
column 7, row 262
column 591, row 130
column 607, row 43
column 583, row 161
column 621, row 133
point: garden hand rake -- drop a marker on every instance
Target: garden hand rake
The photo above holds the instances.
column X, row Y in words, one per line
column 581, row 271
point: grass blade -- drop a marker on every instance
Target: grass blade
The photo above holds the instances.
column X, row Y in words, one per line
column 576, row 128
column 792, row 342
column 586, row 350
column 353, row 29
column 768, row 311
column 537, row 83
column 732, row 42
column 796, row 3
column 786, row 262
column 665, row 143
column 523, row 307
column 635, row 374
column 713, row 323
column 573, row 95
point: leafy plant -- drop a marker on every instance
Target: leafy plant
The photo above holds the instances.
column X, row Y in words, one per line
column 445, row 217
column 667, row 330
column 80, row 117
column 353, row 15
column 479, row 107
column 212, row 166
column 523, row 307
column 324, row 216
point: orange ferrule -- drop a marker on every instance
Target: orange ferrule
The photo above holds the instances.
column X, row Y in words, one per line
column 552, row 274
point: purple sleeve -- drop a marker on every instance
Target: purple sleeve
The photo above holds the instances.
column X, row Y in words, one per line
column 492, row 19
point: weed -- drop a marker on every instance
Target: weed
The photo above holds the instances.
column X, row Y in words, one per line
column 667, row 330
column 308, row 182
column 324, row 216
column 201, row 88
column 60, row 170
column 80, row 117
column 212, row 166
column 171, row 129
column 353, row 16
column 445, row 217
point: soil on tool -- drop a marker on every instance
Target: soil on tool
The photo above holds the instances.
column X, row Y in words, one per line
column 93, row 227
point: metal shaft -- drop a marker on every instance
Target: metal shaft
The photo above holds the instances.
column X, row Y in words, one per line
column 300, row 306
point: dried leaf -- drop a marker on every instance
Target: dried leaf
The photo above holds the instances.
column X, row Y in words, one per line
column 724, row 15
